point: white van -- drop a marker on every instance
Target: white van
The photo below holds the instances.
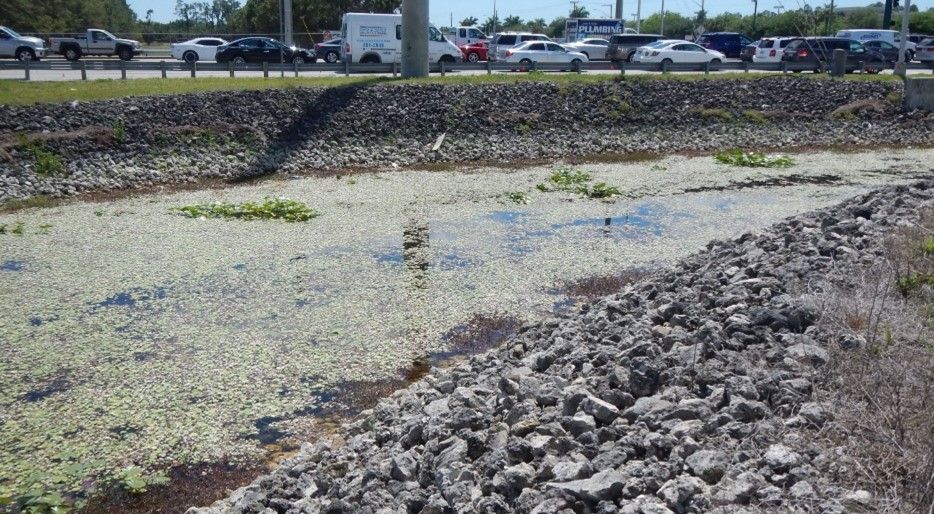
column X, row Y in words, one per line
column 468, row 35
column 865, row 35
column 377, row 38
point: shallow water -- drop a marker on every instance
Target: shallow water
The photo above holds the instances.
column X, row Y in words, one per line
column 132, row 334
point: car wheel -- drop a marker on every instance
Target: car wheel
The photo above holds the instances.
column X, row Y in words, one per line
column 190, row 57
column 525, row 65
column 473, row 57
column 666, row 63
column 25, row 54
column 909, row 55
column 715, row 62
column 630, row 56
column 298, row 59
column 238, row 61
column 72, row 54
column 447, row 59
column 125, row 54
column 331, row 57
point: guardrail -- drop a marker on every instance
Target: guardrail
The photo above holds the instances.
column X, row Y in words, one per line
column 166, row 67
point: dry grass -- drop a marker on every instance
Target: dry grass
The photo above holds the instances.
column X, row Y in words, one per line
column 882, row 380
column 591, row 288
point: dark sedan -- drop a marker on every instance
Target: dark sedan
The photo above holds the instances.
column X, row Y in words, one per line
column 261, row 49
column 816, row 53
column 888, row 50
column 329, row 51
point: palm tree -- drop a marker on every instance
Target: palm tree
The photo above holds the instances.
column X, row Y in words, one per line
column 579, row 12
column 469, row 21
column 512, row 21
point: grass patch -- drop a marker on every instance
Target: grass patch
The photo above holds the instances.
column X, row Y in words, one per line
column 45, row 162
column 591, row 288
column 27, row 93
column 565, row 179
column 714, row 114
column 38, row 202
column 270, row 208
column 755, row 116
column 601, row 190
column 738, row 157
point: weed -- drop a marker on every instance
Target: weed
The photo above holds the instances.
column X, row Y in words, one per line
column 602, row 190
column 847, row 116
column 18, row 229
column 592, row 288
column 715, row 114
column 47, row 163
column 44, row 229
column 914, row 281
column 927, row 247
column 119, row 129
column 519, row 197
column 894, row 98
column 135, row 481
column 524, row 128
column 270, row 208
column 755, row 116
column 658, row 167
column 738, row 157
column 565, row 179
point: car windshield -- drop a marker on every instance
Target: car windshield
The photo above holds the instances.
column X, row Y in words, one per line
column 11, row 32
column 435, row 34
column 659, row 44
column 766, row 43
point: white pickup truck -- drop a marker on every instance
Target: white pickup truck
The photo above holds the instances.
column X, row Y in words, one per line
column 95, row 42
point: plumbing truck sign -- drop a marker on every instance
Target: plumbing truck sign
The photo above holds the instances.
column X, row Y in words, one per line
column 583, row 28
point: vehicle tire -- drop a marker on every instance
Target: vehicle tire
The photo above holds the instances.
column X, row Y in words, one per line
column 125, row 54
column 72, row 54
column 666, row 63
column 473, row 57
column 369, row 59
column 447, row 59
column 576, row 62
column 525, row 65
column 796, row 71
column 238, row 61
column 25, row 54
column 190, row 57
column 298, row 59
column 909, row 55
column 630, row 56
column 331, row 57
column 715, row 62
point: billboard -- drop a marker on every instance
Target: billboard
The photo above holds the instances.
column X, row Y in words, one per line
column 582, row 28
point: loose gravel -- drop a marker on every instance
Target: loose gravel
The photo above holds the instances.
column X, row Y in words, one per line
column 689, row 391
column 142, row 142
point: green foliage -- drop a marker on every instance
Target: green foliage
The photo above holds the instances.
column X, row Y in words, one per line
column 46, row 162
column 914, row 281
column 270, row 208
column 565, row 179
column 602, row 190
column 717, row 114
column 738, row 157
column 17, row 228
column 894, row 98
column 846, row 115
column 755, row 116
column 68, row 15
column 519, row 197
column 927, row 247
column 524, row 128
column 119, row 130
column 135, row 481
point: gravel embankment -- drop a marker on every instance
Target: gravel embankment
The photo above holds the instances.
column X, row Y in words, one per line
column 140, row 142
column 687, row 392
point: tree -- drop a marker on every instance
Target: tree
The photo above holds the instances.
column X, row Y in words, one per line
column 491, row 24
column 537, row 25
column 469, row 21
column 676, row 25
column 579, row 11
column 512, row 22
column 556, row 27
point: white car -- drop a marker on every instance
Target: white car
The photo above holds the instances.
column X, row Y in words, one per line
column 677, row 52
column 594, row 48
column 925, row 50
column 197, row 49
column 542, row 52
column 771, row 49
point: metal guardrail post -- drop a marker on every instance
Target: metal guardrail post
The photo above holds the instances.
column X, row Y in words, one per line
column 230, row 68
column 84, row 70
column 707, row 68
column 577, row 67
column 785, row 67
column 489, row 66
column 746, row 66
column 122, row 69
column 194, row 67
column 534, row 66
column 265, row 69
column 26, row 68
column 395, row 70
column 347, row 68
column 622, row 68
column 664, row 67
column 295, row 67
column 442, row 68
column 162, row 68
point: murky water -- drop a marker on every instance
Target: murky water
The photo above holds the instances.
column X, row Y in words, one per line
column 132, row 334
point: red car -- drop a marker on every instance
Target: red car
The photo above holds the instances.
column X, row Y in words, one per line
column 474, row 52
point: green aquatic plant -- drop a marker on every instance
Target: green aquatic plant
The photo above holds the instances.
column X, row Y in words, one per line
column 602, row 190
column 739, row 157
column 270, row 208
column 135, row 481
column 565, row 179
column 519, row 197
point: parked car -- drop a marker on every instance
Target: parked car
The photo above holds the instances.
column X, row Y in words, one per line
column 890, row 52
column 727, row 43
column 816, row 53
column 261, row 49
column 594, row 48
column 771, row 49
column 925, row 50
column 917, row 38
column 503, row 42
column 542, row 52
column 95, row 42
column 864, row 36
column 749, row 51
column 475, row 52
column 677, row 52
column 329, row 51
column 623, row 46
column 377, row 38
column 197, row 49
column 22, row 48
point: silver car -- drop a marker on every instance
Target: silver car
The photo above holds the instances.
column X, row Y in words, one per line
column 23, row 48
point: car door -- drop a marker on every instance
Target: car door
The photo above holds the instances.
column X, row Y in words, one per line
column 680, row 53
column 251, row 49
column 207, row 48
column 100, row 43
column 6, row 44
column 535, row 52
column 557, row 53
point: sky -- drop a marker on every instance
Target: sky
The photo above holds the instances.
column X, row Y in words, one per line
column 441, row 11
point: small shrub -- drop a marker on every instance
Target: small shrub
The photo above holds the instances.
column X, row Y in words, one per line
column 715, row 114
column 519, row 197
column 914, row 281
column 523, row 128
column 755, row 116
column 752, row 159
column 47, row 163
column 119, row 130
column 894, row 98
column 927, row 247
column 602, row 190
column 565, row 179
column 847, row 116
column 271, row 208
column 17, row 229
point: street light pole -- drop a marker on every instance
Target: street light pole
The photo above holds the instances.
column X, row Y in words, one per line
column 639, row 16
column 414, row 38
column 662, row 31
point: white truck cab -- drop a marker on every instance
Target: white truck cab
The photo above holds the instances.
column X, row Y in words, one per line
column 377, row 38
column 865, row 35
column 468, row 35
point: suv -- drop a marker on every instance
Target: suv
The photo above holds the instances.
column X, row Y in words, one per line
column 623, row 46
column 728, row 43
column 500, row 43
column 817, row 53
column 770, row 49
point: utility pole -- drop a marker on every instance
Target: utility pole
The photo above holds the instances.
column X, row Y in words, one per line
column 495, row 18
column 287, row 22
column 755, row 12
column 619, row 10
column 662, row 31
column 829, row 19
column 887, row 15
column 903, row 46
column 414, row 38
column 639, row 16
